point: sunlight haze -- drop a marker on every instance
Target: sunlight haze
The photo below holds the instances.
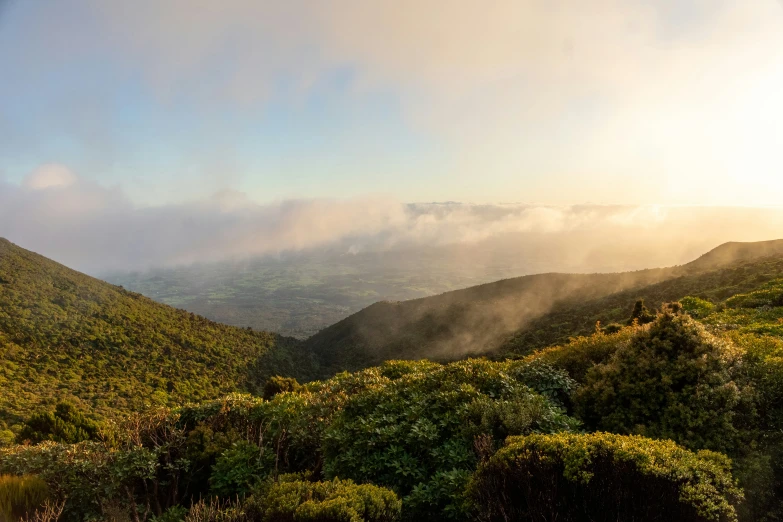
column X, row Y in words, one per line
column 557, row 102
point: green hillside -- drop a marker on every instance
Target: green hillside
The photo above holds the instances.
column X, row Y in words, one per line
column 67, row 336
column 677, row 419
column 517, row 315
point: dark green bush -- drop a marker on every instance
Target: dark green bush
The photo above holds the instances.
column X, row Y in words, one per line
column 641, row 314
column 603, row 478
column 64, row 424
column 238, row 469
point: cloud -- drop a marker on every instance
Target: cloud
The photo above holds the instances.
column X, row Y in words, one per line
column 97, row 229
column 519, row 92
column 49, row 176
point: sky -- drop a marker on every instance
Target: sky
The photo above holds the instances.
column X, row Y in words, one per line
column 160, row 132
column 546, row 101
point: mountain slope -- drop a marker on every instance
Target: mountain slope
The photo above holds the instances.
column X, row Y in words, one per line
column 480, row 319
column 67, row 336
column 570, row 319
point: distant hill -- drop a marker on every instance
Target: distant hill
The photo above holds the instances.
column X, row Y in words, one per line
column 574, row 318
column 68, row 336
column 516, row 315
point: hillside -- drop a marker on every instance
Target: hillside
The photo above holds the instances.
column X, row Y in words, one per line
column 534, row 310
column 621, row 426
column 67, row 336
column 575, row 318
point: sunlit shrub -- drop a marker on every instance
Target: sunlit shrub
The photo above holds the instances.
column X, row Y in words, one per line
column 672, row 380
column 603, row 478
column 292, row 499
column 696, row 307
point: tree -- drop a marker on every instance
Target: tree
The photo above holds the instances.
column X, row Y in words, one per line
column 641, row 314
column 65, row 424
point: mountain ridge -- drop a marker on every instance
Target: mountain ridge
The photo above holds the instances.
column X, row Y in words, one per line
column 480, row 320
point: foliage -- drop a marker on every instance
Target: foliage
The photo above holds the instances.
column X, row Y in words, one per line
column 65, row 424
column 20, row 496
column 291, row 499
column 68, row 337
column 673, row 380
column 582, row 353
column 173, row 514
column 695, row 307
column 237, row 469
column 640, row 314
column 407, row 432
column 603, row 477
column 277, row 384
column 769, row 295
column 573, row 318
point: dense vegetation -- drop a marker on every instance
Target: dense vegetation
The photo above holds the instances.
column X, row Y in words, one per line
column 416, row 431
column 674, row 413
column 68, row 337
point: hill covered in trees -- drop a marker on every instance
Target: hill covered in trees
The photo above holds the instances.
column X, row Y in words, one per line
column 520, row 314
column 65, row 336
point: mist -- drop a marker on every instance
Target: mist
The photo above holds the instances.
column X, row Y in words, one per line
column 98, row 229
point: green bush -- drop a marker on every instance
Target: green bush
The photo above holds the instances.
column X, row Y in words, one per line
column 603, row 478
column 406, row 433
column 582, row 353
column 641, row 314
column 673, row 380
column 173, row 514
column 696, row 307
column 20, row 496
column 64, row 424
column 238, row 469
column 292, row 499
column 277, row 384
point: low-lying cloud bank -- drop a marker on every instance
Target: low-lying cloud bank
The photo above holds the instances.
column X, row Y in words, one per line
column 98, row 229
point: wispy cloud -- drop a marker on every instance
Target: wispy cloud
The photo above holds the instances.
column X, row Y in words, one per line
column 97, row 228
column 680, row 97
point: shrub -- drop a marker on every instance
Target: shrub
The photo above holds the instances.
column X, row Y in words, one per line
column 238, row 469
column 696, row 307
column 20, row 496
column 673, row 380
column 407, row 434
column 277, row 384
column 582, row 353
column 641, row 314
column 173, row 514
column 65, row 424
column 603, row 478
column 292, row 499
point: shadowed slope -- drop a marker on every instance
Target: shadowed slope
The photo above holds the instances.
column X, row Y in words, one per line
column 480, row 319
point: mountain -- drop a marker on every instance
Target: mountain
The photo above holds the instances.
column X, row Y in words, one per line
column 519, row 314
column 68, row 336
